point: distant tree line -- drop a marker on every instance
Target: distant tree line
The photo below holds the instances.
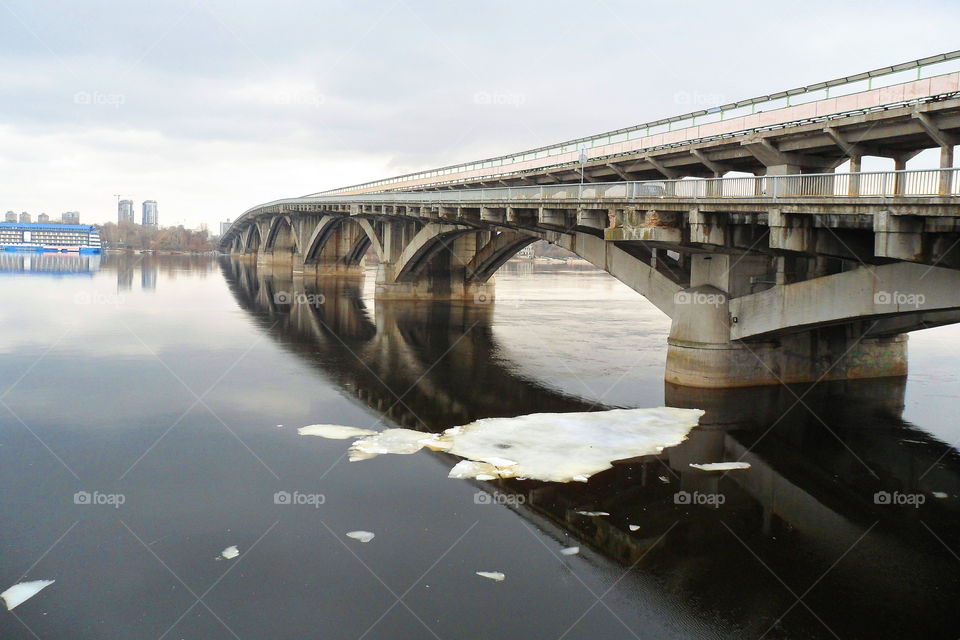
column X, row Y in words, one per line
column 130, row 235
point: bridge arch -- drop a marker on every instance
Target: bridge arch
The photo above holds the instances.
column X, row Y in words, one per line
column 252, row 240
column 501, row 247
column 429, row 242
column 281, row 235
column 342, row 239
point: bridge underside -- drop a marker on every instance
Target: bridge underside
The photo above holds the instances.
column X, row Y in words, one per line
column 758, row 293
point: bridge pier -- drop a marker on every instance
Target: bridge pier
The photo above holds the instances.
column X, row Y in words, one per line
column 702, row 351
column 829, row 353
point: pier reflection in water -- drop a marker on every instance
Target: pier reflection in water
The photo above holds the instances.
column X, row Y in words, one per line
column 800, row 545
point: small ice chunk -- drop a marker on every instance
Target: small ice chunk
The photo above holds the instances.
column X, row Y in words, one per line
column 664, row 479
column 939, row 494
column 23, row 591
column 570, row 551
column 492, row 575
column 633, row 527
column 471, row 469
column 592, row 513
column 402, row 441
column 479, row 470
column 720, row 466
column 230, row 552
column 333, row 431
column 362, row 536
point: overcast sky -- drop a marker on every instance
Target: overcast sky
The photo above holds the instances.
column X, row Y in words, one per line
column 213, row 106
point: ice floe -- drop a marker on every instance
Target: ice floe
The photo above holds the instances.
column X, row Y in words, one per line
column 23, row 591
column 556, row 447
column 939, row 494
column 333, row 431
column 633, row 527
column 230, row 552
column 362, row 536
column 592, row 513
column 720, row 466
column 492, row 575
column 570, row 551
column 560, row 447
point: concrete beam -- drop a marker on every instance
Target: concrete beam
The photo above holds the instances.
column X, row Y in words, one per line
column 791, row 232
column 672, row 174
column 942, row 138
column 899, row 237
column 652, row 284
column 852, row 149
column 858, row 295
column 620, row 172
column 708, row 227
column 772, row 158
column 716, row 167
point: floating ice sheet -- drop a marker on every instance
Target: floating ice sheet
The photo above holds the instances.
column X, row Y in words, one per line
column 720, row 466
column 362, row 536
column 556, row 447
column 230, row 552
column 23, row 591
column 492, row 575
column 333, row 431
column 561, row 447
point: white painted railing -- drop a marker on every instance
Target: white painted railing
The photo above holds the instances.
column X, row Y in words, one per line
column 872, row 184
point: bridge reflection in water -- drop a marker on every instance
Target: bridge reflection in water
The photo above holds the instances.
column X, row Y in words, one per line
column 799, row 545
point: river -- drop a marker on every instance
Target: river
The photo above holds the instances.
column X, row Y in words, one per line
column 149, row 408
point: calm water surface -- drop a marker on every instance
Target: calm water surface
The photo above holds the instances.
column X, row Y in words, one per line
column 175, row 386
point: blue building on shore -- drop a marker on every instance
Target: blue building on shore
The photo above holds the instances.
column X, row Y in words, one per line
column 36, row 236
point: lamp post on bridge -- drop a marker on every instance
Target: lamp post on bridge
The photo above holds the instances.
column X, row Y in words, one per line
column 583, row 163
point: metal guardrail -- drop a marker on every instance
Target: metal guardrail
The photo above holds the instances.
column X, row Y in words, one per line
column 877, row 184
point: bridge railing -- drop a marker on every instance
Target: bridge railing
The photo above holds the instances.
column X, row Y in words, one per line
column 875, row 184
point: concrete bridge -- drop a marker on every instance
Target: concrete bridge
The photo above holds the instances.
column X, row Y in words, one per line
column 773, row 266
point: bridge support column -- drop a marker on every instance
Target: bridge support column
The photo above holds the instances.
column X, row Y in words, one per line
column 430, row 262
column 700, row 352
column 945, row 186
